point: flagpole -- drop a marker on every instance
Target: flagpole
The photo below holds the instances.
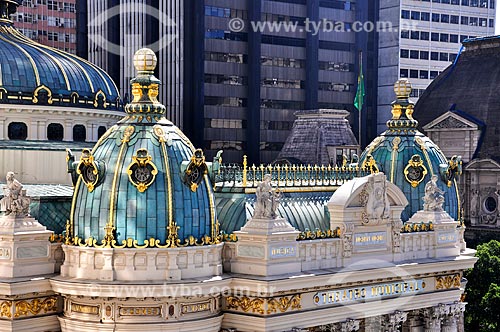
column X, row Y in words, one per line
column 359, row 110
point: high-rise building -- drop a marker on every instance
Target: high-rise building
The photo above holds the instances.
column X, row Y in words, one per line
column 429, row 41
column 237, row 91
column 49, row 22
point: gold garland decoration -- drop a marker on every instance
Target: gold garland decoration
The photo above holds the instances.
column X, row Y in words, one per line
column 319, row 234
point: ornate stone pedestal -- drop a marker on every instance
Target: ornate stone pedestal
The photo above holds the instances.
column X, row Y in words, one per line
column 447, row 239
column 24, row 248
column 266, row 247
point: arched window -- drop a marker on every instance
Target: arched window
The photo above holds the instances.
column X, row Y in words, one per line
column 101, row 131
column 18, row 130
column 55, row 132
column 79, row 133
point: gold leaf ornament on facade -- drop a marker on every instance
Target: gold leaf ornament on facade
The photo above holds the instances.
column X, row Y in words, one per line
column 245, row 304
column 35, row 306
column 196, row 170
column 88, row 170
column 142, row 172
column 447, row 282
column 415, row 171
column 283, row 304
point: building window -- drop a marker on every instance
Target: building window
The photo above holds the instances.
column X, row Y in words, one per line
column 17, row 131
column 483, row 22
column 455, row 2
column 55, row 132
column 444, row 37
column 464, row 20
column 403, row 73
column 424, row 74
column 405, row 53
column 443, row 56
column 415, row 15
column 435, row 36
column 424, row 35
column 413, row 73
column 405, row 34
column 490, row 204
column 474, row 3
column 445, row 18
column 405, row 14
column 52, row 5
column 79, row 133
column 435, row 56
column 463, row 37
column 101, row 131
column 453, row 56
column 453, row 38
column 433, row 74
column 492, row 4
column 435, row 17
column 413, row 54
column 424, row 55
column 454, row 19
column 474, row 21
column 415, row 35
column 492, row 23
column 424, row 16
column 465, row 2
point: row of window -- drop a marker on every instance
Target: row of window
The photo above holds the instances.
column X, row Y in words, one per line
column 226, row 79
column 416, row 93
column 470, row 3
column 226, row 12
column 434, row 36
column 226, row 57
column 51, row 5
column 277, row 61
column 54, row 36
column 446, row 18
column 55, row 132
column 422, row 74
column 339, row 87
column 278, row 40
column 242, row 102
column 225, row 123
column 52, row 21
column 424, row 55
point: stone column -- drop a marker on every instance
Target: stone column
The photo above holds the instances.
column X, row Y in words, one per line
column 68, row 131
column 33, row 130
column 3, row 131
column 433, row 317
column 392, row 322
column 455, row 311
column 350, row 325
column 372, row 324
column 42, row 130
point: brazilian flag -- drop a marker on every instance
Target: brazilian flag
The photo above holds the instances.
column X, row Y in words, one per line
column 360, row 93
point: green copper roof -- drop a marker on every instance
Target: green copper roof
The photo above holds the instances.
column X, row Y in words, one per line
column 400, row 148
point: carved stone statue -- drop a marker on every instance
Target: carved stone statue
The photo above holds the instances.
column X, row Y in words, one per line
column 15, row 201
column 267, row 201
column 377, row 206
column 434, row 197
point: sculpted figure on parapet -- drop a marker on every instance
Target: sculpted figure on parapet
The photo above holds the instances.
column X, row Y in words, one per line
column 434, row 197
column 15, row 202
column 267, row 201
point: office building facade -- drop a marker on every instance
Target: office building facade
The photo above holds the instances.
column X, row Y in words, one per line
column 237, row 91
column 49, row 22
column 429, row 41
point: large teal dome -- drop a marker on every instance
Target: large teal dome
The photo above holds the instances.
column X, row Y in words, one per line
column 409, row 159
column 32, row 73
column 143, row 182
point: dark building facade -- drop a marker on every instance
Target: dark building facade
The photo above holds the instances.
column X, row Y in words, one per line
column 238, row 91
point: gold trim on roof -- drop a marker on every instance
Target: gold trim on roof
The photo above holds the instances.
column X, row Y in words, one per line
column 37, row 92
column 142, row 171
column 415, row 162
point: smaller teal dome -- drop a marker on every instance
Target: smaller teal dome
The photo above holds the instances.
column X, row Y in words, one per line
column 32, row 73
column 144, row 183
column 409, row 158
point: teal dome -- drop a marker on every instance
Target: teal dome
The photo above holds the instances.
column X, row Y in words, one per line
column 143, row 182
column 32, row 73
column 409, row 159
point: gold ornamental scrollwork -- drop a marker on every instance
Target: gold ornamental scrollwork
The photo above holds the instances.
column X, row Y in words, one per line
column 142, row 172
column 415, row 171
column 371, row 164
column 264, row 306
column 88, row 169
column 449, row 281
column 6, row 309
column 36, row 306
column 245, row 304
column 283, row 304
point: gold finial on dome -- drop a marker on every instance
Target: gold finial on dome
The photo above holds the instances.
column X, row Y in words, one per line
column 145, row 60
column 402, row 107
column 402, row 88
